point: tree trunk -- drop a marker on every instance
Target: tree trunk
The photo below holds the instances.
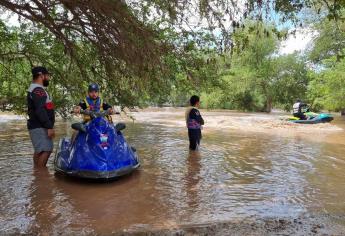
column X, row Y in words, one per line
column 269, row 105
column 342, row 112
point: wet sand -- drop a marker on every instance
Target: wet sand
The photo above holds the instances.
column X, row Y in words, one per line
column 311, row 225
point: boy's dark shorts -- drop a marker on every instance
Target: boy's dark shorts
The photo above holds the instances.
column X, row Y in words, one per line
column 40, row 140
column 194, row 138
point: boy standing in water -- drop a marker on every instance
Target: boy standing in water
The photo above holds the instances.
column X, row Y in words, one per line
column 194, row 122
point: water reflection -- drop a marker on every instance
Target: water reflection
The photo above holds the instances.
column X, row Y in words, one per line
column 192, row 180
column 41, row 207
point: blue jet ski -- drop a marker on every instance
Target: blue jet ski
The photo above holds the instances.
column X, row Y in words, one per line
column 313, row 118
column 99, row 150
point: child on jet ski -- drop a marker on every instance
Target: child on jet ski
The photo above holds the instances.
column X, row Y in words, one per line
column 93, row 102
column 97, row 150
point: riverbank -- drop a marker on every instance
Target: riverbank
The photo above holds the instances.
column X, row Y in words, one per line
column 311, row 225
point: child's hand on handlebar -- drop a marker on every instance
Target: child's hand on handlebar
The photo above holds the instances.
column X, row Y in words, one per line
column 77, row 109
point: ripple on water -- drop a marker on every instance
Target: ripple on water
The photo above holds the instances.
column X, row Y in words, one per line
column 235, row 175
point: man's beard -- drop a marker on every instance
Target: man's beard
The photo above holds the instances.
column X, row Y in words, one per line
column 45, row 83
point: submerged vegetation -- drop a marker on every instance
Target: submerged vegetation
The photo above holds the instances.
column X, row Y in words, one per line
column 149, row 53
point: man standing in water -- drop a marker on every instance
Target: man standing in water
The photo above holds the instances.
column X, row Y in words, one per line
column 41, row 117
column 194, row 122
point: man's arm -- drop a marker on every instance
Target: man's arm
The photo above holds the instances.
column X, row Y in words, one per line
column 304, row 106
column 39, row 97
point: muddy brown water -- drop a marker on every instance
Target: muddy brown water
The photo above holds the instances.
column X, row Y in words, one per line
column 236, row 175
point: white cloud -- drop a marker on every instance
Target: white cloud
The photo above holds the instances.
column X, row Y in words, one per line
column 297, row 42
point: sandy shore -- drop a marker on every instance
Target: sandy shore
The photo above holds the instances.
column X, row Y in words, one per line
column 309, row 225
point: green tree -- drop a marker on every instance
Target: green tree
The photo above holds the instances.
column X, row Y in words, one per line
column 128, row 45
column 254, row 77
column 326, row 90
column 277, row 79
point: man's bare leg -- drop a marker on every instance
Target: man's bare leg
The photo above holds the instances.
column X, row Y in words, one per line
column 41, row 159
column 35, row 158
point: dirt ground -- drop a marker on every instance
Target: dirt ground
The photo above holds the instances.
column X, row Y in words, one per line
column 307, row 225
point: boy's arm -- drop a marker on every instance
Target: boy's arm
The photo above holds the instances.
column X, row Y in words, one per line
column 195, row 114
column 201, row 120
column 80, row 106
column 106, row 106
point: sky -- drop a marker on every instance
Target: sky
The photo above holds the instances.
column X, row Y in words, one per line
column 298, row 42
column 10, row 19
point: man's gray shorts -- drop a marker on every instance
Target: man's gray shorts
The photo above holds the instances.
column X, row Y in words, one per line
column 40, row 140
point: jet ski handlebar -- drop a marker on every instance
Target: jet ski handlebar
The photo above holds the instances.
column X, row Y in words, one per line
column 95, row 114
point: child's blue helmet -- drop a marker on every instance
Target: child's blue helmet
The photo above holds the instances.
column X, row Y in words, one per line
column 93, row 87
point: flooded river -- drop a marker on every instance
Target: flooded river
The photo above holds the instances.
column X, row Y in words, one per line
column 250, row 168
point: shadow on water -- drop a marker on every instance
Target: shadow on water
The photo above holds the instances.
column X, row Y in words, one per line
column 192, row 179
column 61, row 204
column 41, row 206
column 84, row 181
